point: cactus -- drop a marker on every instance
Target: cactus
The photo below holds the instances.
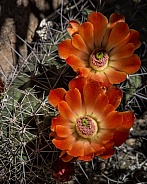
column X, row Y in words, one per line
column 26, row 152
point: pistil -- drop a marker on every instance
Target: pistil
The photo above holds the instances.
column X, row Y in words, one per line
column 99, row 59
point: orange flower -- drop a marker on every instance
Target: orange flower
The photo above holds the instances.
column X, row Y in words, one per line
column 101, row 50
column 88, row 124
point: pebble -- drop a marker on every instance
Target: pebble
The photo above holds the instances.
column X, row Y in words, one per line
column 131, row 142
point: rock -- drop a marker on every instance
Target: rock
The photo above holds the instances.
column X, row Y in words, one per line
column 19, row 20
column 131, row 142
column 43, row 28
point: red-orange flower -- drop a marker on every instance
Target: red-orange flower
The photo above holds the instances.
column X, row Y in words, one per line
column 62, row 171
column 88, row 124
column 101, row 50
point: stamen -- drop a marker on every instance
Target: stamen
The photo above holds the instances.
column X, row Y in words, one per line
column 86, row 127
column 99, row 59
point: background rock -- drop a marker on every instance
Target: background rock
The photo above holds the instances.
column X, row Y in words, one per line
column 18, row 22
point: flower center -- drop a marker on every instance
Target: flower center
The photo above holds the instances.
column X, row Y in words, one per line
column 99, row 59
column 86, row 127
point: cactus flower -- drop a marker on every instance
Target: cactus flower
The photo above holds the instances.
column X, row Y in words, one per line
column 100, row 49
column 88, row 124
column 62, row 171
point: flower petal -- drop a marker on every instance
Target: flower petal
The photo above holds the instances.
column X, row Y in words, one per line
column 109, row 150
column 132, row 38
column 105, row 136
column 124, row 52
column 101, row 101
column 113, row 120
column 91, row 92
column 114, row 95
column 102, row 106
column 128, row 121
column 73, row 98
column 52, row 135
column 76, row 62
column 84, row 72
column 66, row 111
column 97, row 77
column 77, row 149
column 63, row 131
column 73, row 27
column 118, row 34
column 99, row 105
column 65, row 157
column 86, row 32
column 78, row 42
column 59, row 120
column 86, row 157
column 120, row 137
column 114, row 18
column 107, row 109
column 114, row 76
column 106, row 82
column 56, row 96
column 99, row 22
column 99, row 148
column 78, row 83
column 64, row 144
column 66, row 48
column 129, row 65
column 88, row 150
